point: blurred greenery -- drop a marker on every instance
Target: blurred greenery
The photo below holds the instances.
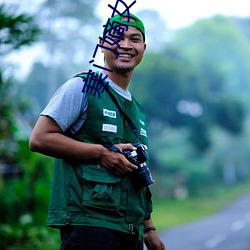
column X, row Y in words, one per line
column 196, row 94
column 195, row 87
column 17, row 30
column 171, row 213
column 24, row 201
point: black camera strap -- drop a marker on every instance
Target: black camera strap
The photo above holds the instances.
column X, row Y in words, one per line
column 126, row 117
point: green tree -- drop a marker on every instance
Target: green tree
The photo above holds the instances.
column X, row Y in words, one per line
column 196, row 93
column 220, row 50
column 69, row 35
column 16, row 31
column 186, row 83
column 19, row 197
column 70, row 31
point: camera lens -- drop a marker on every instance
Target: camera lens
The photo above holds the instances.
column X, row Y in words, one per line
column 144, row 176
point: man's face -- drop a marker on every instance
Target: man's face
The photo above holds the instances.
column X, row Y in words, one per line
column 130, row 52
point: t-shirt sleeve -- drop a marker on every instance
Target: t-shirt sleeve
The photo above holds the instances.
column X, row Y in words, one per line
column 68, row 105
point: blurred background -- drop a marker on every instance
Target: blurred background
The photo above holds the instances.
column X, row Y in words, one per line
column 194, row 82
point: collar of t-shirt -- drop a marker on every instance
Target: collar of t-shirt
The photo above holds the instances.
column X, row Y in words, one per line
column 124, row 93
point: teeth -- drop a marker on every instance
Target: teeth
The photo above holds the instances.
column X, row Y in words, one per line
column 125, row 55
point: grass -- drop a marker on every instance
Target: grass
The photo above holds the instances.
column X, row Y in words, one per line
column 170, row 213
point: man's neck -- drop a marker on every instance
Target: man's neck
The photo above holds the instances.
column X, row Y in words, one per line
column 121, row 80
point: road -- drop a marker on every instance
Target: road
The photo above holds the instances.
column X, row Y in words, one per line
column 227, row 230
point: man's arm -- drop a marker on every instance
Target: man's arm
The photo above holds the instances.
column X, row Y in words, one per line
column 151, row 239
column 47, row 138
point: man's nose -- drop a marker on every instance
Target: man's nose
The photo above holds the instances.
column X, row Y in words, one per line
column 125, row 44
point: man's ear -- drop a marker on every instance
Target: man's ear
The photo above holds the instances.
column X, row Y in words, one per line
column 100, row 42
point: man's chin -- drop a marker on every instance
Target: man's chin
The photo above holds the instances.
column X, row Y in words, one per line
column 124, row 68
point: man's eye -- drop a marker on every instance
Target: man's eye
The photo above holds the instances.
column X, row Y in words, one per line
column 136, row 39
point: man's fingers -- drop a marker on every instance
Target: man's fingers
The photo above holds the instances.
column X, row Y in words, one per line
column 124, row 167
column 124, row 146
column 116, row 162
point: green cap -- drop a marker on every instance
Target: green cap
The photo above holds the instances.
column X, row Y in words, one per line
column 134, row 22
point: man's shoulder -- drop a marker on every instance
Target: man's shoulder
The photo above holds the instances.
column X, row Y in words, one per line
column 81, row 74
column 72, row 85
column 137, row 101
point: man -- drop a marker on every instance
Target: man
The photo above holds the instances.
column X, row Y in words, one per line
column 95, row 202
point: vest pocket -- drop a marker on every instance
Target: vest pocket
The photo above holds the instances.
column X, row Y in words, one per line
column 101, row 188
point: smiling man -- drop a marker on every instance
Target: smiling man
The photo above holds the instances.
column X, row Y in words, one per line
column 130, row 49
column 95, row 198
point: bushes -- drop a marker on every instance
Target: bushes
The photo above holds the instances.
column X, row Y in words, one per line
column 20, row 237
column 24, row 204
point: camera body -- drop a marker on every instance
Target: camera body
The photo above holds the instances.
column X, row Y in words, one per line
column 142, row 177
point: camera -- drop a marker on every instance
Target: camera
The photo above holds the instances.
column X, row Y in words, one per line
column 142, row 176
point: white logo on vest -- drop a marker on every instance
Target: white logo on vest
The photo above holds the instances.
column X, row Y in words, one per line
column 109, row 128
column 109, row 113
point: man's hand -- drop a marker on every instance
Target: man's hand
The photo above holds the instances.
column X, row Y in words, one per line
column 152, row 241
column 116, row 162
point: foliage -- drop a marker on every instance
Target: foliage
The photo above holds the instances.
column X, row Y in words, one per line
column 194, row 91
column 229, row 113
column 71, row 38
column 24, row 235
column 196, row 96
column 31, row 192
column 6, row 107
column 36, row 81
column 67, row 48
column 219, row 49
column 24, row 202
column 243, row 24
column 15, row 30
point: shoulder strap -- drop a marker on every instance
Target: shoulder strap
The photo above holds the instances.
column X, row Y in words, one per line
column 126, row 117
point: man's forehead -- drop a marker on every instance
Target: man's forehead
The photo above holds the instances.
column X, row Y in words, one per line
column 131, row 19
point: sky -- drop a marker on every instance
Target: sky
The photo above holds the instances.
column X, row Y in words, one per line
column 181, row 13
column 176, row 14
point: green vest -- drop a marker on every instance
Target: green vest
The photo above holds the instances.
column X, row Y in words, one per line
column 86, row 193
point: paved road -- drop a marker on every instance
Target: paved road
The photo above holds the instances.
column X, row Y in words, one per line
column 226, row 230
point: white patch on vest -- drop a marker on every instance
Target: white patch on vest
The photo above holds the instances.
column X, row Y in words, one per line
column 109, row 128
column 143, row 132
column 109, row 113
column 142, row 122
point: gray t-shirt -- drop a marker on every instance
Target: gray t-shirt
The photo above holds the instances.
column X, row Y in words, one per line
column 68, row 106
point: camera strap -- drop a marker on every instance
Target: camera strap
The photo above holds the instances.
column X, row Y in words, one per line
column 125, row 116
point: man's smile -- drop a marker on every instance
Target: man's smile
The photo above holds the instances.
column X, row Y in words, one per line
column 125, row 55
